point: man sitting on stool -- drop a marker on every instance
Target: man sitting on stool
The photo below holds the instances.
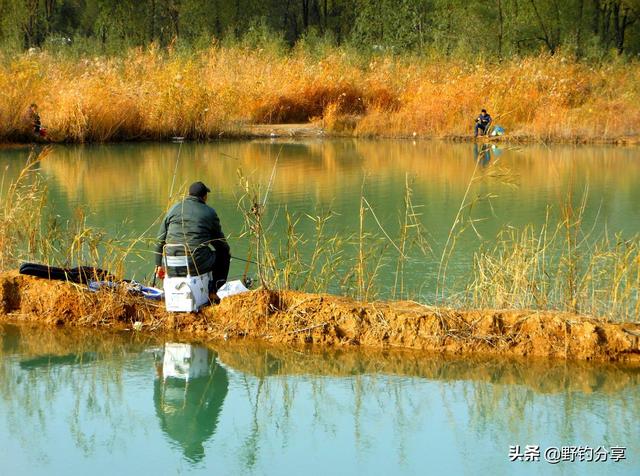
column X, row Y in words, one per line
column 193, row 223
column 483, row 121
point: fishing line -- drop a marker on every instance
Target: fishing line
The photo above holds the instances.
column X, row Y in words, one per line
column 175, row 170
column 245, row 260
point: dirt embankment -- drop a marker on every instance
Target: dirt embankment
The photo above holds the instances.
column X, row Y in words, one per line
column 295, row 317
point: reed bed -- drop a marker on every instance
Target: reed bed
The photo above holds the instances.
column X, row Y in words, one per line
column 559, row 267
column 30, row 230
column 156, row 94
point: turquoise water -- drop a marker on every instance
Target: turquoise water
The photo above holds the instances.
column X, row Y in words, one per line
column 126, row 188
column 87, row 403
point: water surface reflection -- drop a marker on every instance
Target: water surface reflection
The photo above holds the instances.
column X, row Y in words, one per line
column 145, row 405
column 188, row 396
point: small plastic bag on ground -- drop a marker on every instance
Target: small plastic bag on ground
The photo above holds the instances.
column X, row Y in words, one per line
column 230, row 288
column 497, row 131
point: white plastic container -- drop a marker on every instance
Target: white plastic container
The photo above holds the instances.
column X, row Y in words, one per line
column 187, row 294
column 183, row 294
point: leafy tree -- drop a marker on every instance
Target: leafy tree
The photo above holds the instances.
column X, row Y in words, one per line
column 498, row 28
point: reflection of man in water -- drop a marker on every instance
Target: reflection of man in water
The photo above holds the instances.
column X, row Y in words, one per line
column 482, row 154
column 188, row 408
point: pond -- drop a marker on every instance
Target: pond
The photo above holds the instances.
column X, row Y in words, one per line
column 126, row 189
column 82, row 402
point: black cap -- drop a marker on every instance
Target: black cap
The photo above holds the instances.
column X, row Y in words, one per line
column 198, row 189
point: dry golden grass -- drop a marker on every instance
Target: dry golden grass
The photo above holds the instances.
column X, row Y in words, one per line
column 154, row 94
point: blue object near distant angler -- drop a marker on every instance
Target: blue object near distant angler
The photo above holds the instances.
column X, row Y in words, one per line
column 497, row 131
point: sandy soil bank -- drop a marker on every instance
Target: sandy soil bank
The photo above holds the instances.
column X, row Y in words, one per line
column 295, row 317
column 317, row 131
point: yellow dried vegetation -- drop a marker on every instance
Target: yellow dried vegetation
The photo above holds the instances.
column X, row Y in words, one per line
column 157, row 94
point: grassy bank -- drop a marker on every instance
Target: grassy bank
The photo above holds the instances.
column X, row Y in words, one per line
column 292, row 317
column 155, row 94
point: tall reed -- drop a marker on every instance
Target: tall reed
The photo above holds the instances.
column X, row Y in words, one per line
column 31, row 231
column 559, row 267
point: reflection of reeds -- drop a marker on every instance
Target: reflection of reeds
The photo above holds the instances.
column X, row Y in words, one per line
column 541, row 375
column 319, row 168
column 96, row 383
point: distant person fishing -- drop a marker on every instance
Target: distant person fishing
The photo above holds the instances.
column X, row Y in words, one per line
column 196, row 225
column 34, row 123
column 483, row 121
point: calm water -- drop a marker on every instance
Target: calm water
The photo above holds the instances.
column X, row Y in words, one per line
column 86, row 403
column 83, row 403
column 126, row 188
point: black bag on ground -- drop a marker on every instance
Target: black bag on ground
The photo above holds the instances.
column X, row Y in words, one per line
column 80, row 275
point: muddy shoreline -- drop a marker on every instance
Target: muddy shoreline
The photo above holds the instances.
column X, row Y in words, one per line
column 291, row 317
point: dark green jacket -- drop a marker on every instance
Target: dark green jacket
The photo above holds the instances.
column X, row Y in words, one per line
column 194, row 223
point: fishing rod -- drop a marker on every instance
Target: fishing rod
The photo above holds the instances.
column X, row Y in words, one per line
column 245, row 260
column 178, row 140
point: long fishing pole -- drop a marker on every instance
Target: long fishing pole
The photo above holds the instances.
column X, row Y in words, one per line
column 245, row 260
column 175, row 170
column 173, row 181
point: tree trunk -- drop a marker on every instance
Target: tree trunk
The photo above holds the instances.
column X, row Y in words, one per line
column 546, row 38
column 595, row 19
column 153, row 20
column 579, row 30
column 616, row 27
column 606, row 22
column 557, row 37
column 49, row 6
column 285, row 22
column 305, row 14
column 236, row 28
column 325, row 15
column 174, row 14
column 621, row 21
column 30, row 26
